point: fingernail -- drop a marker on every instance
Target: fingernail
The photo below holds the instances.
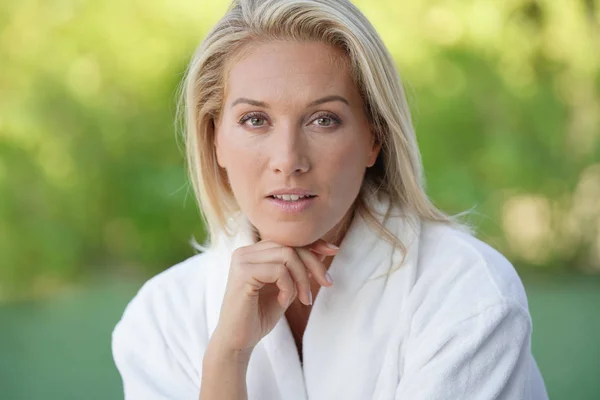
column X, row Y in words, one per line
column 310, row 297
column 332, row 246
column 328, row 277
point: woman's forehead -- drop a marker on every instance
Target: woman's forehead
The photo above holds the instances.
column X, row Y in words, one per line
column 281, row 69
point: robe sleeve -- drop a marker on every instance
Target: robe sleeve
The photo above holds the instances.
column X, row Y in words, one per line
column 484, row 356
column 148, row 352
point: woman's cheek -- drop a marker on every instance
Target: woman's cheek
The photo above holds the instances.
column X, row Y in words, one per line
column 242, row 173
column 343, row 174
column 346, row 158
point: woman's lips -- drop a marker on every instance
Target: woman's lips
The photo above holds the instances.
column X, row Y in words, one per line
column 293, row 207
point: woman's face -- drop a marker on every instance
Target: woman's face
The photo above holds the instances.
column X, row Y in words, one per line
column 293, row 122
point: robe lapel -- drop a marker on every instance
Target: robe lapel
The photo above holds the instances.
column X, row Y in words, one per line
column 281, row 349
column 345, row 342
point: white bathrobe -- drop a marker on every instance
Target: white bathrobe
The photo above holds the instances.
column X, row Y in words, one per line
column 451, row 322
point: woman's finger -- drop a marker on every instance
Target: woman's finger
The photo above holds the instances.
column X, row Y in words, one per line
column 321, row 257
column 261, row 274
column 323, row 248
column 262, row 245
column 315, row 266
column 286, row 256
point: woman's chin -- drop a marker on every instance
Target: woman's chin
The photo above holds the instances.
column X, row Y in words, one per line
column 290, row 240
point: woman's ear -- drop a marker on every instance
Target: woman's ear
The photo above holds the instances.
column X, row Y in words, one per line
column 375, row 149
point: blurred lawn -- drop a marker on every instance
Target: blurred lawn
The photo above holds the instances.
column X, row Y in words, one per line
column 60, row 349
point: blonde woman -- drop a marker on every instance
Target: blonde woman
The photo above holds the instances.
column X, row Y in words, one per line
column 328, row 274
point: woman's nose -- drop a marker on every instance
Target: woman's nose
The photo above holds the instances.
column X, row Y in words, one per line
column 288, row 152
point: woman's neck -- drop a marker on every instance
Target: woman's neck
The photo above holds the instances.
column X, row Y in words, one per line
column 337, row 234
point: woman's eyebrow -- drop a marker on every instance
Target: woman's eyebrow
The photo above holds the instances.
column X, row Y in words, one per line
column 322, row 100
column 249, row 101
column 327, row 99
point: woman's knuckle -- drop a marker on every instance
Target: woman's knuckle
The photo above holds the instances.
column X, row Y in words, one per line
column 281, row 270
column 237, row 254
column 289, row 253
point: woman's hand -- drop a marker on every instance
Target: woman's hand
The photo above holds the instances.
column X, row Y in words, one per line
column 264, row 278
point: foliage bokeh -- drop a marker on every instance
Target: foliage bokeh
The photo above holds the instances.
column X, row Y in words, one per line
column 505, row 98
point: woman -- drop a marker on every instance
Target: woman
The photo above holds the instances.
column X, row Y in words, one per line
column 329, row 274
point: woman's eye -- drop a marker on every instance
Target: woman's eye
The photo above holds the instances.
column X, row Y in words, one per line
column 253, row 120
column 256, row 121
column 327, row 120
column 324, row 121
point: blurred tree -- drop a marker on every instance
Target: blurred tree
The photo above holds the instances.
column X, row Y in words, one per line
column 506, row 100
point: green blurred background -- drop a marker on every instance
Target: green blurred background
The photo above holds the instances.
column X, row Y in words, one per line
column 94, row 197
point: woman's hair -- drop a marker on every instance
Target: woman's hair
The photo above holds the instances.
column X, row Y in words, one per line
column 398, row 171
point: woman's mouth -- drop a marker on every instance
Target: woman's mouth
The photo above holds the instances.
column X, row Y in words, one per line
column 292, row 203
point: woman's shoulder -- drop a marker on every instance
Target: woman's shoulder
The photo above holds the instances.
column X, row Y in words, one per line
column 180, row 281
column 463, row 275
column 168, row 300
column 164, row 321
column 161, row 325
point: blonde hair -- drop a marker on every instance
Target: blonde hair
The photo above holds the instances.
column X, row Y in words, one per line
column 398, row 171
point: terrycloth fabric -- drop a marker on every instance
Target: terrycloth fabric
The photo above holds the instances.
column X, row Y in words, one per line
column 451, row 322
